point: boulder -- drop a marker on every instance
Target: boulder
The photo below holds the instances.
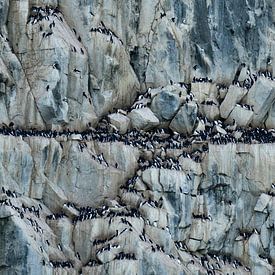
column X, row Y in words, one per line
column 203, row 90
column 2, row 88
column 218, row 129
column 243, row 74
column 222, row 93
column 241, row 116
column 120, row 121
column 165, row 105
column 151, row 178
column 261, row 96
column 143, row 119
column 233, row 96
column 262, row 202
column 212, row 112
column 185, row 120
column 270, row 121
column 103, row 101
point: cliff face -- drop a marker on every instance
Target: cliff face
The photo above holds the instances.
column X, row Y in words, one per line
column 137, row 137
column 56, row 71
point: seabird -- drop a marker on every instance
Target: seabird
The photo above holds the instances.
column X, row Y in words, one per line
column 162, row 14
column 78, row 256
column 48, row 34
column 56, row 66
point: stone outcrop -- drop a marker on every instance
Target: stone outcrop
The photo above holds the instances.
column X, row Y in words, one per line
column 165, row 105
column 261, row 97
column 203, row 205
column 185, row 120
column 120, row 121
column 137, row 137
column 143, row 119
column 233, row 96
column 241, row 116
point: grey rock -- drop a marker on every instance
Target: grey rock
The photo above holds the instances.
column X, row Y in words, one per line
column 202, row 91
column 143, row 119
column 270, row 121
column 212, row 112
column 261, row 96
column 233, row 96
column 121, row 122
column 262, row 202
column 165, row 105
column 242, row 116
column 103, row 101
column 75, row 76
column 185, row 120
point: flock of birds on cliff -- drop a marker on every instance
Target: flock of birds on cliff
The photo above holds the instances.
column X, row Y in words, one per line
column 39, row 14
column 162, row 139
column 210, row 261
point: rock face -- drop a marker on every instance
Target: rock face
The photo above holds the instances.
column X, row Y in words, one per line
column 262, row 97
column 185, row 120
column 137, row 137
column 241, row 116
column 218, row 204
column 165, row 105
column 143, row 119
column 121, row 122
column 233, row 96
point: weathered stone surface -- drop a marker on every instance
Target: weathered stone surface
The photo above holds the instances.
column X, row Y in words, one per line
column 270, row 121
column 74, row 67
column 185, row 120
column 165, row 105
column 242, row 174
column 261, row 96
column 218, row 129
column 121, row 122
column 212, row 112
column 203, row 90
column 143, row 119
column 233, row 96
column 23, row 255
column 242, row 116
column 262, row 202
column 222, row 93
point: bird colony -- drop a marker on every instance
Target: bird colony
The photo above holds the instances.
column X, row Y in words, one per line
column 137, row 137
